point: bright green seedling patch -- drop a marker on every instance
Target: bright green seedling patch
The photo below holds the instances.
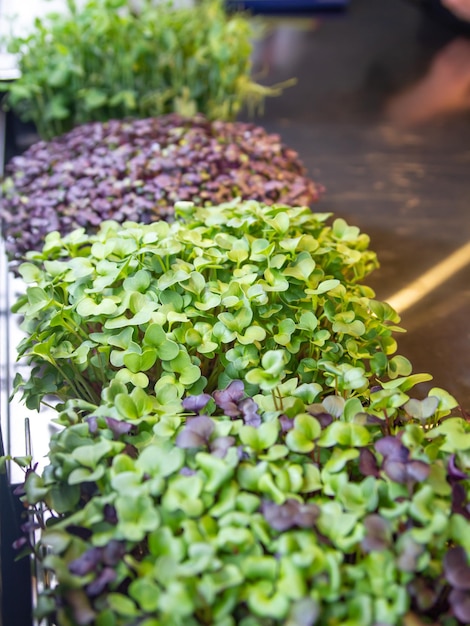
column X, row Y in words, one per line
column 236, row 291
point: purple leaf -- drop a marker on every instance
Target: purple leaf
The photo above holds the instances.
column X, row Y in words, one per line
column 291, row 514
column 79, row 531
column 396, row 471
column 454, row 472
column 196, row 403
column 325, row 419
column 424, row 597
column 196, row 432
column 189, row 439
column 460, row 602
column 29, row 526
column 249, row 410
column 377, row 533
column 410, row 551
column 228, row 399
column 19, row 490
column 92, row 424
column 417, row 470
column 20, row 543
column 106, row 576
column 306, row 515
column 187, row 471
column 131, row 451
column 118, row 427
column 459, row 500
column 456, row 568
column 368, row 465
column 110, row 514
column 113, row 552
column 86, row 563
column 392, row 448
column 220, row 446
column 286, row 423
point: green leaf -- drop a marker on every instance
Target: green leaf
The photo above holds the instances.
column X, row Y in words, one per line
column 35, row 488
column 91, row 455
column 160, row 460
column 264, row 602
column 136, row 515
column 344, row 434
column 93, row 98
column 260, row 438
column 302, row 437
column 122, row 605
column 146, row 593
column 85, row 475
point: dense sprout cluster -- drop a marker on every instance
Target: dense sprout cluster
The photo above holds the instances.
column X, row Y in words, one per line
column 198, row 514
column 239, row 446
column 98, row 60
column 235, row 291
column 136, row 170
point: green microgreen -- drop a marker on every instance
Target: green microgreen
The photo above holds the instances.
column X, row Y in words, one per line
column 103, row 60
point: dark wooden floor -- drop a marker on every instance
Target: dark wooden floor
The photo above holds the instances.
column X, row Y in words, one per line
column 404, row 181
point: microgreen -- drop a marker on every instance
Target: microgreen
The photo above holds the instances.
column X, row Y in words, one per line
column 239, row 445
column 136, row 170
column 176, row 529
column 105, row 60
column 169, row 303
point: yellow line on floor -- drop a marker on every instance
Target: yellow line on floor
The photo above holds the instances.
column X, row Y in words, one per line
column 427, row 282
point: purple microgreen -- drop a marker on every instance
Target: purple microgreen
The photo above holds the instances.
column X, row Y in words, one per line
column 368, row 465
column 30, row 526
column 187, row 471
column 220, row 446
column 417, row 470
column 460, row 603
column 286, row 423
column 196, row 432
column 121, row 170
column 106, row 576
column 325, row 419
column 19, row 490
column 391, row 448
column 456, row 568
column 460, row 502
column 454, row 472
column 228, row 399
column 291, row 514
column 395, row 470
column 92, row 422
column 113, row 552
column 410, row 551
column 131, row 451
column 79, row 531
column 110, row 514
column 87, row 562
column 196, row 403
column 19, row 543
column 249, row 410
column 118, row 427
column 377, row 533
